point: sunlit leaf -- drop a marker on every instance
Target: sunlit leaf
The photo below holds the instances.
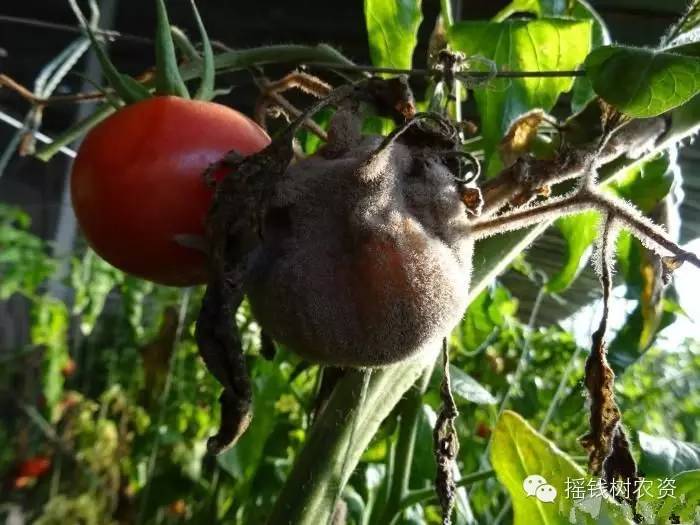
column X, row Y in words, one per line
column 50, row 332
column 392, row 27
column 583, row 93
column 683, row 503
column 519, row 451
column 24, row 260
column 521, row 45
column 642, row 82
column 579, row 232
column 491, row 309
column 645, row 184
column 92, row 279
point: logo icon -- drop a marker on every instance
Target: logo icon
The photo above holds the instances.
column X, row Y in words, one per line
column 535, row 485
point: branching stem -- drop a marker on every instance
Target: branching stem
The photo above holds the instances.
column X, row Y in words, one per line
column 25, row 93
column 644, row 229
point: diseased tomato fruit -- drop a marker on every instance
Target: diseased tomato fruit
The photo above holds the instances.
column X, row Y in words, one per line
column 137, row 183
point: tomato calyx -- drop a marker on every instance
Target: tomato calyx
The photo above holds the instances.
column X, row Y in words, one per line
column 168, row 79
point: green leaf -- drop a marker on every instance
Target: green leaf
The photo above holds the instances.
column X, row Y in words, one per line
column 491, row 309
column 521, row 45
column 50, row 330
column 392, row 28
column 645, row 184
column 519, row 451
column 126, row 87
column 579, row 232
column 634, row 338
column 206, row 88
column 469, row 389
column 245, row 458
column 643, row 82
column 92, row 279
column 583, row 93
column 681, row 506
column 168, row 78
column 661, row 456
column 24, row 262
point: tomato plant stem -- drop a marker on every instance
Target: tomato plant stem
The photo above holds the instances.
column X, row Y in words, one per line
column 409, row 419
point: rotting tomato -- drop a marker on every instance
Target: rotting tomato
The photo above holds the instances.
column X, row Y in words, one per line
column 137, row 183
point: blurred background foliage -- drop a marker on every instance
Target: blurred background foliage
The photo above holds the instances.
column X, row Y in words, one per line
column 106, row 407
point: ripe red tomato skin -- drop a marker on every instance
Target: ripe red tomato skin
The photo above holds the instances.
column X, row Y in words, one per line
column 137, row 183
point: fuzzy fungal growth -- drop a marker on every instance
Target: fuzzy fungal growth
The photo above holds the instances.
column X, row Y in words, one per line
column 365, row 255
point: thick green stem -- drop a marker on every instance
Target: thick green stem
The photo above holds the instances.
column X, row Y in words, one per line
column 259, row 56
column 75, row 132
column 409, row 417
column 336, row 442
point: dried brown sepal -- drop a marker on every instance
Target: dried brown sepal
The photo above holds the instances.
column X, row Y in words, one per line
column 392, row 97
column 446, row 444
column 608, row 450
column 232, row 227
column 520, row 135
column 604, row 412
column 620, row 466
column 611, row 119
column 271, row 101
column 472, row 199
column 669, row 265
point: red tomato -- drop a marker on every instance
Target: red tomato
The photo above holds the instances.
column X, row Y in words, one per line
column 31, row 469
column 137, row 183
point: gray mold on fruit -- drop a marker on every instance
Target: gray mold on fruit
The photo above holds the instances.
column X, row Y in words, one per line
column 366, row 253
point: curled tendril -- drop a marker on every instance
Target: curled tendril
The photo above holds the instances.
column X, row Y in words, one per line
column 475, row 76
column 444, row 129
column 466, row 164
